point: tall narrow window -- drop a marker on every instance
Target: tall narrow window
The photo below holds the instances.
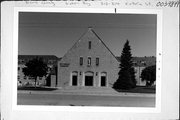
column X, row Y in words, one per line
column 97, row 61
column 89, row 61
column 81, row 61
column 89, row 44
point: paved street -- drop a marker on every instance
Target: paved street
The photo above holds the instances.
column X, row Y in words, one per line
column 85, row 100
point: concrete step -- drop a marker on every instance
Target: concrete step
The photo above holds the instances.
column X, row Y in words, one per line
column 88, row 90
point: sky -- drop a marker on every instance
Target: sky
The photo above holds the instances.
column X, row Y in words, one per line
column 56, row 33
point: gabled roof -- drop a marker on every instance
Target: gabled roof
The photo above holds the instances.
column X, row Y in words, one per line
column 90, row 29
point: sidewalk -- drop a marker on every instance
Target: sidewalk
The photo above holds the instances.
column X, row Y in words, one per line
column 87, row 91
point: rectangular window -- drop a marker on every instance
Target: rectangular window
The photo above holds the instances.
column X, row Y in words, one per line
column 97, row 61
column 89, row 44
column 18, row 68
column 89, row 61
column 81, row 61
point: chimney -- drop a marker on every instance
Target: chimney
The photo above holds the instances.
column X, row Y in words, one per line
column 90, row 27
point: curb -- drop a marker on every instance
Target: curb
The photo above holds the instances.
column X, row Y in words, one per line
column 95, row 93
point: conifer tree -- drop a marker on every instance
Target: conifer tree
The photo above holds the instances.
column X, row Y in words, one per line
column 126, row 74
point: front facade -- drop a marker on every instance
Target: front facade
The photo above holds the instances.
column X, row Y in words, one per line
column 89, row 63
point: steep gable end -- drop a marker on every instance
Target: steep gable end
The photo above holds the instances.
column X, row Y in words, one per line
column 87, row 63
column 90, row 44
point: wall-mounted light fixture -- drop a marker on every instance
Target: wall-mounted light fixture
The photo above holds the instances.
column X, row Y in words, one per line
column 96, row 73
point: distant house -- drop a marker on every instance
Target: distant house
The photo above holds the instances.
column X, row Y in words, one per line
column 50, row 60
column 139, row 64
column 89, row 63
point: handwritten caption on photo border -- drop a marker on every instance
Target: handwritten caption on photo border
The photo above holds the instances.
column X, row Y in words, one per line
column 112, row 3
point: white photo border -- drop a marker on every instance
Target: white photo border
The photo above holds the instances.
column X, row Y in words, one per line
column 156, row 109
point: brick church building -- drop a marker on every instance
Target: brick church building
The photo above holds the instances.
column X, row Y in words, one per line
column 89, row 63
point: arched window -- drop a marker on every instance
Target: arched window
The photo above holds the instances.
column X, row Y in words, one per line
column 74, row 78
column 89, row 62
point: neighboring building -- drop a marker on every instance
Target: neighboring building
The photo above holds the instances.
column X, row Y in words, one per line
column 89, row 63
column 139, row 63
column 50, row 60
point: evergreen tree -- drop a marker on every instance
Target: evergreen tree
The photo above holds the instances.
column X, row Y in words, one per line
column 126, row 74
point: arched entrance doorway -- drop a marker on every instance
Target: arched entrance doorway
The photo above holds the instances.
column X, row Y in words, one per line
column 74, row 79
column 103, row 78
column 89, row 78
